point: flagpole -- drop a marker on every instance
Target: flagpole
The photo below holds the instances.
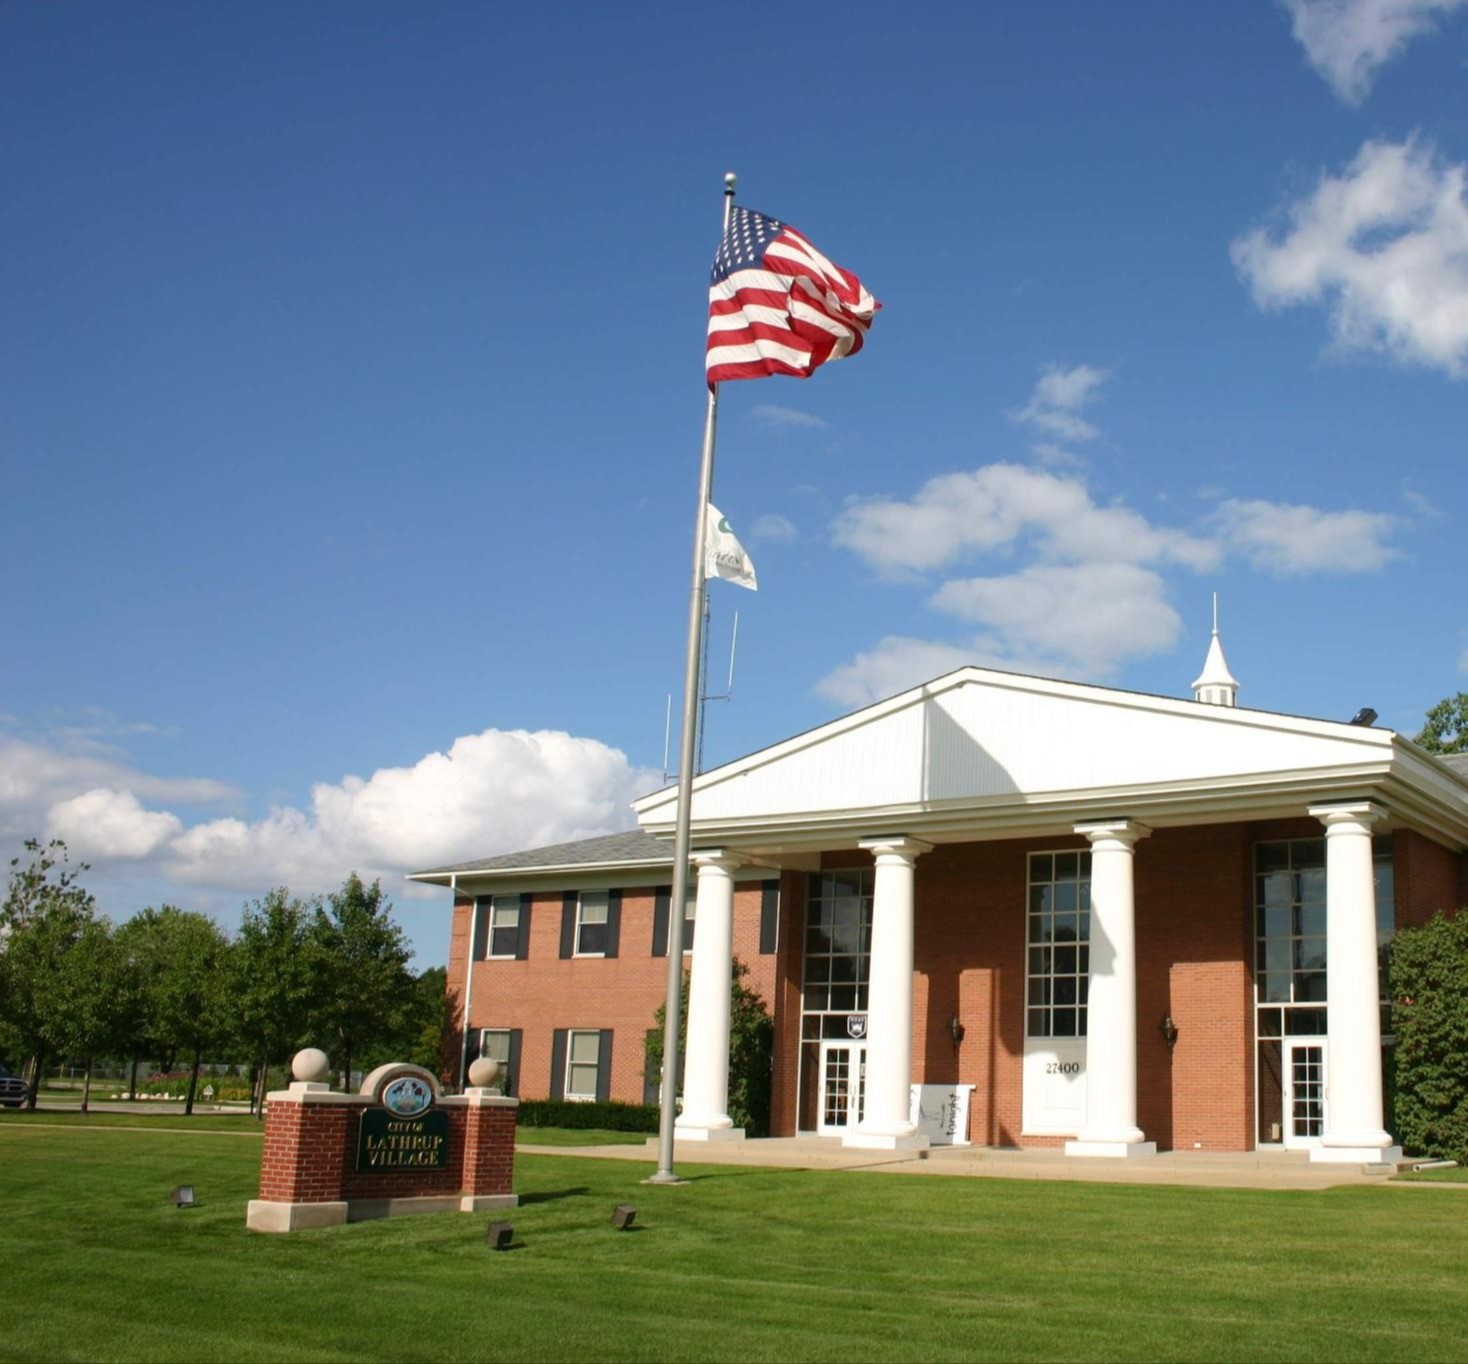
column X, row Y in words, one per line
column 686, row 752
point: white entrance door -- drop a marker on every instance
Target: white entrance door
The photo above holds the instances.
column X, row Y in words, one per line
column 843, row 1086
column 1304, row 1092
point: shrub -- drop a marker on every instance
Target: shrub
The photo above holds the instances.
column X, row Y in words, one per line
column 610, row 1117
column 1429, row 980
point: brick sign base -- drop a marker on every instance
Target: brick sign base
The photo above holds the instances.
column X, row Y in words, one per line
column 308, row 1170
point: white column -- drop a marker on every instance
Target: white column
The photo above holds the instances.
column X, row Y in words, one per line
column 705, row 1115
column 1111, row 1004
column 886, row 1124
column 1353, row 1112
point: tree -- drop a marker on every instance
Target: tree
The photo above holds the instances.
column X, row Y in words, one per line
column 42, row 916
column 88, row 1002
column 1446, row 730
column 751, row 1051
column 1429, row 979
column 189, row 995
column 273, row 977
column 365, row 988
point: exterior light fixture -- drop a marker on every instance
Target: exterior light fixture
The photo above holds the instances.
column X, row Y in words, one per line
column 1168, row 1029
column 955, row 1031
column 182, row 1196
column 623, row 1215
column 499, row 1235
column 1364, row 716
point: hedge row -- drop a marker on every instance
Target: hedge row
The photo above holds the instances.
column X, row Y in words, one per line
column 610, row 1117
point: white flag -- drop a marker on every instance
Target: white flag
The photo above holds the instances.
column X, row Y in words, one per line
column 724, row 556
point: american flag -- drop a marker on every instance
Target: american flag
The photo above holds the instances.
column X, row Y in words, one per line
column 777, row 306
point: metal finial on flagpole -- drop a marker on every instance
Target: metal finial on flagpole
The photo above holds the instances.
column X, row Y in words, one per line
column 687, row 748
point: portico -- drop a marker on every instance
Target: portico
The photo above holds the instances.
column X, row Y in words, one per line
column 982, row 907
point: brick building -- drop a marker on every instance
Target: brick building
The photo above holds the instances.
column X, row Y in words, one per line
column 1128, row 921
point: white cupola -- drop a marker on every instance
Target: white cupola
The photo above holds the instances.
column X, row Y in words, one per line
column 1216, row 686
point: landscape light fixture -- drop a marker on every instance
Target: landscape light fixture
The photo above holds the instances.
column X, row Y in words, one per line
column 955, row 1031
column 1168, row 1029
column 499, row 1235
column 623, row 1215
column 1364, row 716
column 182, row 1196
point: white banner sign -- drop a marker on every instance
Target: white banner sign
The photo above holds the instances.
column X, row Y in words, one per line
column 941, row 1113
column 724, row 556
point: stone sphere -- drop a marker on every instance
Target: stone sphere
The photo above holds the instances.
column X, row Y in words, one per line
column 311, row 1064
column 484, row 1072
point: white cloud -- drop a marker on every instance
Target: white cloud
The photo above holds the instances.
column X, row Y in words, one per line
column 490, row 793
column 787, row 418
column 894, row 665
column 1421, row 503
column 1084, row 618
column 992, row 508
column 1057, row 456
column 1385, row 246
column 1059, row 396
column 1293, row 540
column 1349, row 41
column 103, row 823
column 773, row 526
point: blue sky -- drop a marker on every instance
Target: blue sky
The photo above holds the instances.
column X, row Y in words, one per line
column 352, row 394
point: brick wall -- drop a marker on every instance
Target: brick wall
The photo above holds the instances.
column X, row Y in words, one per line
column 310, row 1155
column 621, row 993
column 1428, row 878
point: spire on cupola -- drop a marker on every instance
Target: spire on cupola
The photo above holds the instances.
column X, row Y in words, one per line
column 1216, row 686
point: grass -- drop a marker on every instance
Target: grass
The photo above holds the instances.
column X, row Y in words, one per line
column 748, row 1264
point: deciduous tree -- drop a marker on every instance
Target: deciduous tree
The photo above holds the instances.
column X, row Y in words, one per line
column 1446, row 730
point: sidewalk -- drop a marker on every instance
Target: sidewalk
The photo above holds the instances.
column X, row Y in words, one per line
column 1200, row 1169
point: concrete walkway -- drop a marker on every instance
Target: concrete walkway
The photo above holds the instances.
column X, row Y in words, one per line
column 1242, row 1170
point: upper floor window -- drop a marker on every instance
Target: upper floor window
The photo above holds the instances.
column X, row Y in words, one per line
column 591, row 924
column 504, row 926
column 1059, row 965
column 838, row 941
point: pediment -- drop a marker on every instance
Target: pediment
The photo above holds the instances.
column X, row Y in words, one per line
column 996, row 738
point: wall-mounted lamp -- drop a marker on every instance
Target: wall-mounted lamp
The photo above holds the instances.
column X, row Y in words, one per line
column 1168, row 1029
column 955, row 1031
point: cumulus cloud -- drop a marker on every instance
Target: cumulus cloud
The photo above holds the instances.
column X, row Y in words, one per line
column 993, row 507
column 1055, row 405
column 1085, row 618
column 104, row 823
column 894, row 665
column 1294, row 540
column 773, row 526
column 787, row 418
column 1349, row 41
column 1383, row 245
column 489, row 793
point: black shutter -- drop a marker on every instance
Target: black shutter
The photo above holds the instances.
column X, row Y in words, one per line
column 558, row 1064
column 660, row 921
column 651, row 1078
column 604, row 1067
column 522, row 943
column 479, row 944
column 568, row 923
column 614, row 921
column 512, row 1080
column 769, row 917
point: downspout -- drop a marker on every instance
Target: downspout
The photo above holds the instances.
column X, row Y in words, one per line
column 468, row 978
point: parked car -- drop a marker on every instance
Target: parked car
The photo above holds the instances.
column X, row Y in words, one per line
column 13, row 1089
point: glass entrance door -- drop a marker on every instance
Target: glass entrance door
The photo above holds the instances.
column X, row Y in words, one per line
column 1304, row 1092
column 843, row 1086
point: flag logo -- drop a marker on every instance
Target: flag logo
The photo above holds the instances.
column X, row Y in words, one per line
column 777, row 305
column 724, row 556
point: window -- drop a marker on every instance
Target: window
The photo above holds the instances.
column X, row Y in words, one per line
column 690, row 908
column 838, row 941
column 1059, row 966
column 504, row 926
column 494, row 1043
column 583, row 1062
column 591, row 926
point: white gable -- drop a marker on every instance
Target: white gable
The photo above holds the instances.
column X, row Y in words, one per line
column 981, row 736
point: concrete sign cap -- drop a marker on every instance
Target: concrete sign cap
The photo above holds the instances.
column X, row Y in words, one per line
column 484, row 1072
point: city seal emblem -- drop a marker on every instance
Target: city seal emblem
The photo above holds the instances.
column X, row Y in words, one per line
column 407, row 1097
column 856, row 1026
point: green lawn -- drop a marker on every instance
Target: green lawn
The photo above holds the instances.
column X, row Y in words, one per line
column 1457, row 1175
column 744, row 1264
